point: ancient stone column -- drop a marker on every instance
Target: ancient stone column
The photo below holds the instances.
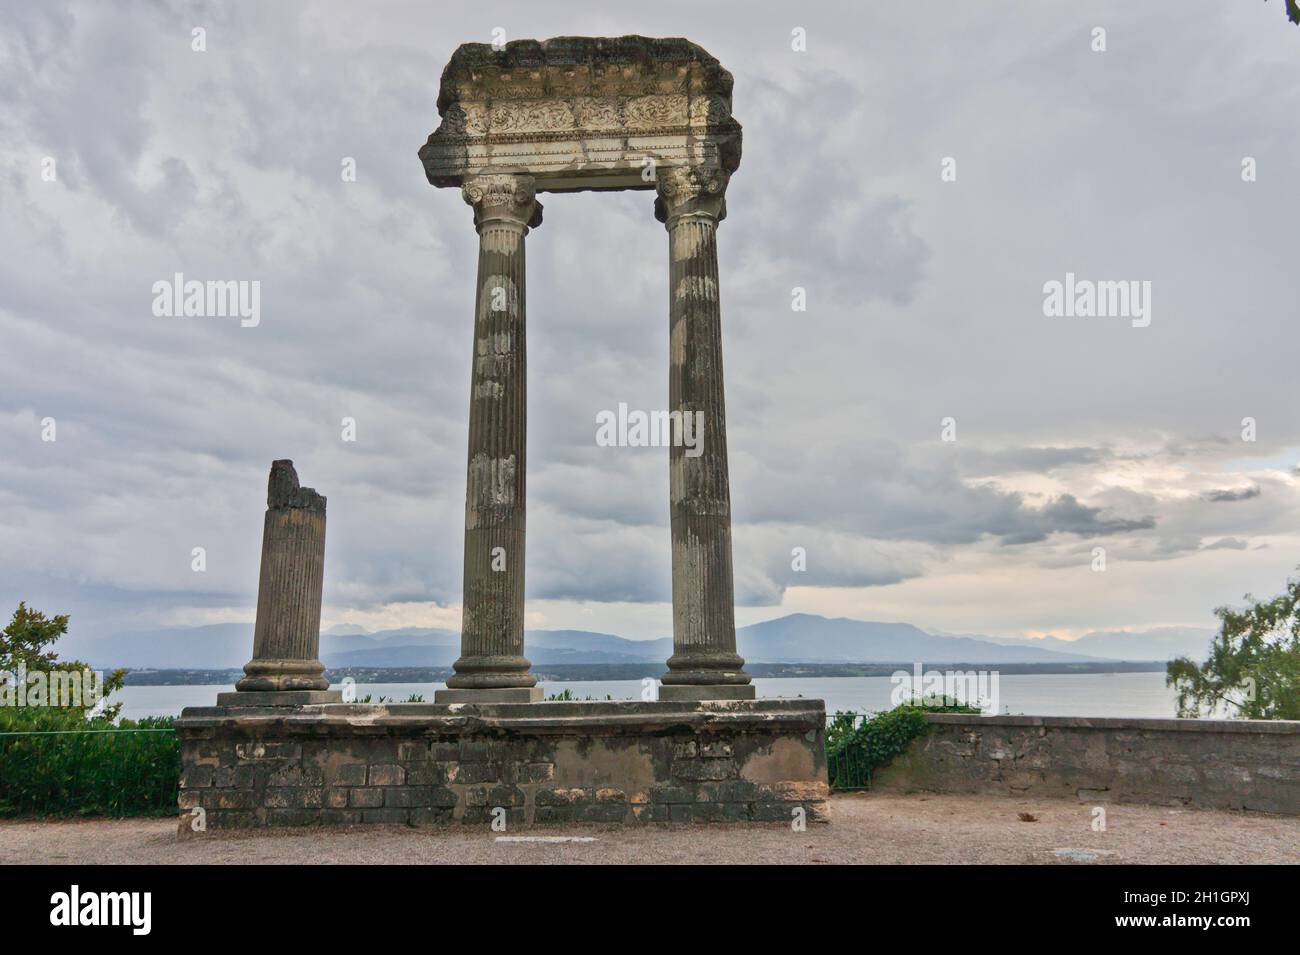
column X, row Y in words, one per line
column 492, row 666
column 704, row 664
column 286, row 637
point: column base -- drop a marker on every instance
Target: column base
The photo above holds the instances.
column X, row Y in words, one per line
column 276, row 675
column 495, row 694
column 691, row 691
column 279, row 697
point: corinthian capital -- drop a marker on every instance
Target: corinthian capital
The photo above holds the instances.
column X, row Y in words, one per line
column 503, row 197
column 691, row 191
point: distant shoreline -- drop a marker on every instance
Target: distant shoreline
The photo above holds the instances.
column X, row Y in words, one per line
column 589, row 672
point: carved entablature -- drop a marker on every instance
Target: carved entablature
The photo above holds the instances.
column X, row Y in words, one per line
column 582, row 113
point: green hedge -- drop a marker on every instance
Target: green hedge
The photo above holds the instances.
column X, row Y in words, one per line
column 58, row 763
column 857, row 744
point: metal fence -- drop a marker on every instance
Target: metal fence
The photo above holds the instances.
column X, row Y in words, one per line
column 847, row 769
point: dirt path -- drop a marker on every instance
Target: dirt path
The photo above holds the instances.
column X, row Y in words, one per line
column 867, row 828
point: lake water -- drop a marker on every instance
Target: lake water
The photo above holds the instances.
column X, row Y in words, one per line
column 1033, row 694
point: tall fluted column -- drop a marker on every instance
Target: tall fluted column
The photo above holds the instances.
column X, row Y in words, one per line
column 492, row 666
column 704, row 664
column 286, row 665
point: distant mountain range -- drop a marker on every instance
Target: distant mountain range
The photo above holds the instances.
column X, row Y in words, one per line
column 1161, row 643
column 797, row 638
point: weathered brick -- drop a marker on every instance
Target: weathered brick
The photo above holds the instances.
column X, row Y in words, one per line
column 268, row 749
column 236, row 777
column 444, row 798
column 506, row 796
column 193, row 777
column 445, row 751
column 671, row 794
column 728, row 790
column 340, row 817
column 774, row 811
column 470, row 773
column 536, row 772
column 553, row 815
column 426, row 774
column 408, row 797
column 293, row 817
column 600, row 812
column 350, row 774
column 387, row 817
column 794, row 792
column 366, row 798
column 563, row 797
column 233, row 819
column 386, row 775
column 234, row 798
column 295, row 775
column 411, row 752
column 475, row 751
column 647, row 813
column 427, row 816
column 278, row 798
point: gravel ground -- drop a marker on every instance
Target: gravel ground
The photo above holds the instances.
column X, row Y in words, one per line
column 864, row 828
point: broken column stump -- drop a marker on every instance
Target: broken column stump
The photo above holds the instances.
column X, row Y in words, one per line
column 286, row 669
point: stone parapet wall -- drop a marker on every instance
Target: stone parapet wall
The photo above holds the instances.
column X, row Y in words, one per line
column 543, row 763
column 1219, row 764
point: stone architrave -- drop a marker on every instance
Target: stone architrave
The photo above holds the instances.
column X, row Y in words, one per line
column 286, row 669
column 579, row 113
column 564, row 115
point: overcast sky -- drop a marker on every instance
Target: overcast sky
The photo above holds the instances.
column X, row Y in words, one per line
column 925, row 301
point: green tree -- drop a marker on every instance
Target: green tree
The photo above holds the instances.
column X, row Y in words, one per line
column 26, row 642
column 1293, row 11
column 1254, row 667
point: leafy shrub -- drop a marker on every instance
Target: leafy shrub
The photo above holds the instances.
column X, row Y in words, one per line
column 55, row 762
column 859, row 743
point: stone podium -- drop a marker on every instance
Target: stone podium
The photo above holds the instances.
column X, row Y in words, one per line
column 562, row 115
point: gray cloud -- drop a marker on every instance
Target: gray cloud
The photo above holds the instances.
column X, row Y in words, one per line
column 1232, row 494
column 1227, row 543
column 923, row 299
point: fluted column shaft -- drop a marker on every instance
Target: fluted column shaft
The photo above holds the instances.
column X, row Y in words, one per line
column 704, row 663
column 492, row 628
column 286, row 636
